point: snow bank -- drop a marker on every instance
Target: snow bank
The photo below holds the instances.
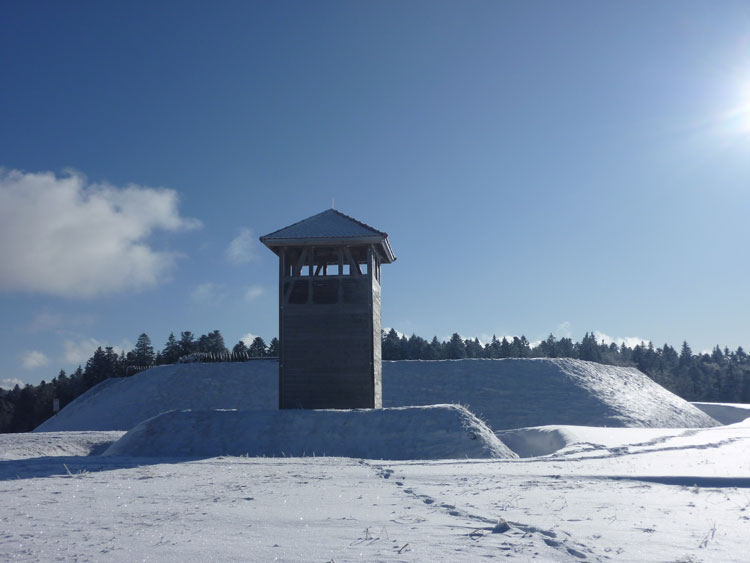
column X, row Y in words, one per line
column 435, row 432
column 726, row 413
column 510, row 393
column 47, row 444
column 546, row 440
column 535, row 442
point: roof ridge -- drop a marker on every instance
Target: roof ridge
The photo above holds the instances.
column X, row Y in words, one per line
column 294, row 224
column 353, row 219
column 327, row 211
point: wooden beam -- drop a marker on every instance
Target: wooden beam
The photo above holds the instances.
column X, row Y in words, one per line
column 352, row 262
column 300, row 263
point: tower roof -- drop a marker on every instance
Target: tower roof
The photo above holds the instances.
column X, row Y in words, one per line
column 329, row 228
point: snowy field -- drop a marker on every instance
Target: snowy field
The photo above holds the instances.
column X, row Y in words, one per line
column 576, row 490
column 607, row 494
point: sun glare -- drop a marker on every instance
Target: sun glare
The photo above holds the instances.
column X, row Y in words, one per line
column 743, row 111
column 735, row 121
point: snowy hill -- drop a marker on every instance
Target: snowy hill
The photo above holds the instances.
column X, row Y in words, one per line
column 120, row 404
column 435, row 432
column 510, row 393
column 516, row 393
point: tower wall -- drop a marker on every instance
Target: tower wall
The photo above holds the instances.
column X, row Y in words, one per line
column 329, row 328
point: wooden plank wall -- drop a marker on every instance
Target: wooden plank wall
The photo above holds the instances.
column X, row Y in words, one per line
column 330, row 352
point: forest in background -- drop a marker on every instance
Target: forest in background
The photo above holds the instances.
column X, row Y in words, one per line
column 719, row 376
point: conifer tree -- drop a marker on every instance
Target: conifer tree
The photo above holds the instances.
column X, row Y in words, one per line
column 273, row 349
column 172, row 349
column 143, row 353
column 686, row 356
column 434, row 350
column 239, row 352
column 391, row 346
column 257, row 348
column 473, row 348
column 505, row 349
column 187, row 343
column 494, row 351
column 212, row 343
column 455, row 349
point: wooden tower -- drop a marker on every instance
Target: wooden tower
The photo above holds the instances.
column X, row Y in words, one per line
column 329, row 312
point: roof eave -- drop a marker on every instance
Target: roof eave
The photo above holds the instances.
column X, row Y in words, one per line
column 388, row 255
column 320, row 241
column 386, row 252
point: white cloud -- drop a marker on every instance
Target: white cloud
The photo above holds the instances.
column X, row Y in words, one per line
column 242, row 249
column 78, row 351
column 208, row 293
column 485, row 338
column 248, row 338
column 43, row 322
column 32, row 359
column 629, row 341
column 563, row 330
column 400, row 334
column 10, row 382
column 253, row 292
column 63, row 236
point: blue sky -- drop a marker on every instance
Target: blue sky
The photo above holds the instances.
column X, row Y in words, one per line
column 539, row 167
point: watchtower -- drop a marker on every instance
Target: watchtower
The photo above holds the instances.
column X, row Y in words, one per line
column 329, row 312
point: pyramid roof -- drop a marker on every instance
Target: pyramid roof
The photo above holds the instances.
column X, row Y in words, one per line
column 329, row 228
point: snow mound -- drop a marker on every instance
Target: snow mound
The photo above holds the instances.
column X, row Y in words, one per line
column 121, row 403
column 726, row 413
column 546, row 440
column 517, row 393
column 509, row 393
column 535, row 442
column 48, row 444
column 434, row 432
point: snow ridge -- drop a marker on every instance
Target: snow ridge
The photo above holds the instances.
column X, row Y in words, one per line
column 434, row 432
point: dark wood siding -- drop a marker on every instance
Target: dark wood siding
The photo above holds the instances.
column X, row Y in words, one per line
column 326, row 355
column 329, row 328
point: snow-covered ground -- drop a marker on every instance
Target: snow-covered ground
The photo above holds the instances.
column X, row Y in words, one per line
column 609, row 494
column 579, row 490
column 505, row 394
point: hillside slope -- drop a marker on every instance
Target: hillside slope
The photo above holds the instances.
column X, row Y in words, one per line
column 516, row 393
column 510, row 393
column 120, row 404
